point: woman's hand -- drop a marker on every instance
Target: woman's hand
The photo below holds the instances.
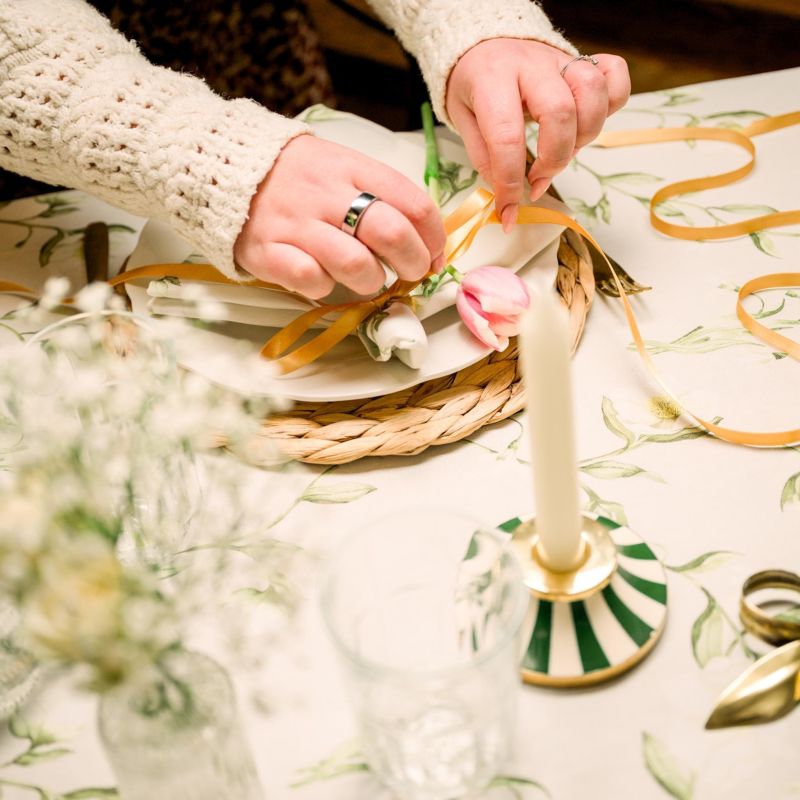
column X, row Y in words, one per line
column 294, row 237
column 496, row 82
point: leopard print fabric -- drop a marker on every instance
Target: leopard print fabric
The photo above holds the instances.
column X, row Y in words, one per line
column 268, row 51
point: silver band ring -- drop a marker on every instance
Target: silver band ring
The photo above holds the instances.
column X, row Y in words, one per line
column 356, row 211
column 591, row 59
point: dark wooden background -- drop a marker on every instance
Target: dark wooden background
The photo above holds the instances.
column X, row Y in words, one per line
column 666, row 42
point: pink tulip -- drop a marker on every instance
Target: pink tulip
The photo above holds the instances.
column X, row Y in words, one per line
column 491, row 301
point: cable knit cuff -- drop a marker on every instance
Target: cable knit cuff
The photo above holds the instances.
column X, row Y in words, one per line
column 443, row 31
column 168, row 147
column 216, row 158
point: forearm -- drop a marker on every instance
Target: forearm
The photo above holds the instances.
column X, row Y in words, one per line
column 438, row 32
column 80, row 106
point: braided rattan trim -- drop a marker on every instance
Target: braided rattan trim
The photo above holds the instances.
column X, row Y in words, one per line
column 436, row 412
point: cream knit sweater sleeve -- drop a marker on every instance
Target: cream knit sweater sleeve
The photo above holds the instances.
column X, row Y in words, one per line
column 80, row 106
column 439, row 32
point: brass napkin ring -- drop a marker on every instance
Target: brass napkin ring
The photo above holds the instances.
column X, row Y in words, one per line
column 767, row 627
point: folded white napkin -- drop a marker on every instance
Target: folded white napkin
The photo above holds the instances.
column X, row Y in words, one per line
column 397, row 330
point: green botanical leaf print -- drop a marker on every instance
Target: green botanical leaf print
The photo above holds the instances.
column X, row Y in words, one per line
column 679, row 98
column 705, row 562
column 676, row 780
column 95, row 793
column 607, row 508
column 37, row 756
column 319, row 113
column 791, row 491
column 707, row 632
column 610, row 470
column 613, row 422
column 345, row 760
column 630, row 178
column 517, row 786
column 764, row 243
column 20, row 728
column 746, row 209
column 47, row 249
column 337, row 493
column 690, row 432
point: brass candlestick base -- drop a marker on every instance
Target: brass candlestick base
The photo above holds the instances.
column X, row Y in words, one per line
column 594, row 571
column 597, row 621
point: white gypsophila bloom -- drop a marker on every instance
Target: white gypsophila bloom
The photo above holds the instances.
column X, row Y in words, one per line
column 93, row 298
column 88, row 387
column 23, row 523
column 147, row 619
column 54, row 292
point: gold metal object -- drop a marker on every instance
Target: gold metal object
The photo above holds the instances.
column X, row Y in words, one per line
column 766, row 691
column 594, row 571
column 770, row 628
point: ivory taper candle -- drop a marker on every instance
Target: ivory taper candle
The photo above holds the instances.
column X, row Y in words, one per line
column 545, row 354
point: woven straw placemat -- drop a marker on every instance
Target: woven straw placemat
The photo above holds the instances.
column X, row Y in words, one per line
column 435, row 412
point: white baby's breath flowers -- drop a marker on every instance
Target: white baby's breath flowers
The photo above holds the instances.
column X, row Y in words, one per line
column 93, row 298
column 113, row 492
column 54, row 292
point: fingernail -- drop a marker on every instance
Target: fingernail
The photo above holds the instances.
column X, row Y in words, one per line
column 437, row 265
column 509, row 216
column 539, row 187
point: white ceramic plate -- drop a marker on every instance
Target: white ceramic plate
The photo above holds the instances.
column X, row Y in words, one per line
column 347, row 372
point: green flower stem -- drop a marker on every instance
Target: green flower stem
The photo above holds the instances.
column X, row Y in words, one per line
column 432, row 175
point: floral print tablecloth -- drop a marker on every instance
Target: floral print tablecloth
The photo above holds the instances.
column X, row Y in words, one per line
column 713, row 512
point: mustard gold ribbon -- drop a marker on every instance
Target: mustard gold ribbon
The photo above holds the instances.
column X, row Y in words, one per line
column 477, row 211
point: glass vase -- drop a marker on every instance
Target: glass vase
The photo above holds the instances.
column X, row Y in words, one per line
column 175, row 734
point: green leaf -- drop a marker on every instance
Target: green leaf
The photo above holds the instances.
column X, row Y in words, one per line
column 338, row 493
column 770, row 312
column 791, row 491
column 705, row 562
column 679, row 99
column 604, row 209
column 607, row 508
column 630, row 178
column 737, row 114
column 512, row 781
column 668, row 209
column 46, row 250
column 691, row 432
column 707, row 633
column 613, row 422
column 37, row 756
column 611, row 470
column 779, row 356
column 94, row 793
column 764, row 243
column 662, row 765
column 20, row 728
column 746, row 209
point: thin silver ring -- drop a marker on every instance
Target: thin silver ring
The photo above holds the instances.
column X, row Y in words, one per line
column 356, row 211
column 591, row 59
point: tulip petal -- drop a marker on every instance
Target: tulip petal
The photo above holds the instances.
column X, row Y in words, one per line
column 498, row 290
column 470, row 311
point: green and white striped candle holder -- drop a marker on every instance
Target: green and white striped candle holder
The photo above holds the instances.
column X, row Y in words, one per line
column 599, row 621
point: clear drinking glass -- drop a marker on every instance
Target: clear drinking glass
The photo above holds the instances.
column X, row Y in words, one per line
column 424, row 608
